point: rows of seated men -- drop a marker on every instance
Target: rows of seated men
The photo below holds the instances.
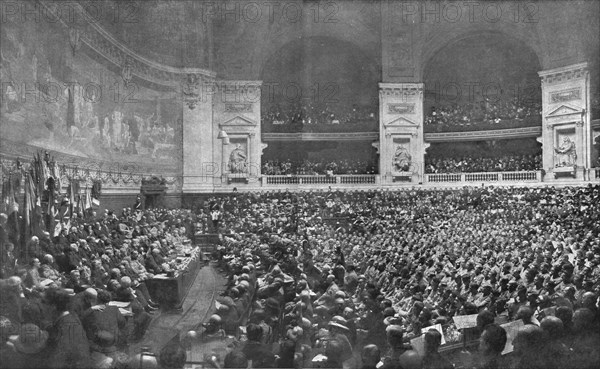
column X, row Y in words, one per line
column 357, row 294
column 486, row 114
column 318, row 167
column 469, row 164
column 58, row 293
column 313, row 116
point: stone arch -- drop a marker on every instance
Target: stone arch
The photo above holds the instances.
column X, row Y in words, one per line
column 440, row 40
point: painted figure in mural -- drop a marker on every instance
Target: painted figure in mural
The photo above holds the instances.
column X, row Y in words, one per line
column 402, row 159
column 566, row 155
column 597, row 145
column 237, row 160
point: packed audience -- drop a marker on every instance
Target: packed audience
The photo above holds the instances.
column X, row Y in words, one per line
column 483, row 115
column 359, row 279
column 311, row 115
column 507, row 163
column 326, row 279
column 322, row 167
column 79, row 299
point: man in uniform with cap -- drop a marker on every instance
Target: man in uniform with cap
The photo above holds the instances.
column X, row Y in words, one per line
column 399, row 355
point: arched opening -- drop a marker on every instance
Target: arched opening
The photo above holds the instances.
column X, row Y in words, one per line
column 485, row 81
column 482, row 81
column 320, row 84
column 315, row 82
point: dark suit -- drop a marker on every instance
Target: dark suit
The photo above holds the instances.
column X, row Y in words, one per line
column 152, row 266
column 141, row 319
column 68, row 343
column 110, row 320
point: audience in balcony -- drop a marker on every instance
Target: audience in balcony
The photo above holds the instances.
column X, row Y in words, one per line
column 506, row 163
column 311, row 115
column 483, row 115
column 318, row 167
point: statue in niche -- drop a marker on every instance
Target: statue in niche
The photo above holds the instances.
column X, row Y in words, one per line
column 566, row 155
column 238, row 160
column 402, row 159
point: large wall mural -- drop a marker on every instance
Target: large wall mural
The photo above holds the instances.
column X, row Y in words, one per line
column 59, row 100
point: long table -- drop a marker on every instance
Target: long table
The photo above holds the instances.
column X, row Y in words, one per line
column 170, row 292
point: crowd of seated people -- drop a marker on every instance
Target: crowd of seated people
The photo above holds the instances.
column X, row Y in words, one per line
column 507, row 163
column 487, row 114
column 312, row 115
column 362, row 293
column 322, row 167
column 58, row 293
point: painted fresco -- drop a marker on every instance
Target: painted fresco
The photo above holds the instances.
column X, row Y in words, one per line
column 57, row 100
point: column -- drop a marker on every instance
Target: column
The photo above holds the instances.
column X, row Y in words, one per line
column 199, row 136
column 236, row 107
column 401, row 143
column 566, row 124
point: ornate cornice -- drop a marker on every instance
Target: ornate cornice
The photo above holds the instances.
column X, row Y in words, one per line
column 401, row 89
column 102, row 42
column 563, row 74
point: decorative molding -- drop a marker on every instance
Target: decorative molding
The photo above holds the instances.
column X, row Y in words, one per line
column 564, row 110
column 102, row 42
column 401, row 108
column 190, row 89
column 238, row 121
column 376, row 145
column 238, row 107
column 401, row 122
column 564, row 74
column 309, row 136
column 401, row 90
column 565, row 95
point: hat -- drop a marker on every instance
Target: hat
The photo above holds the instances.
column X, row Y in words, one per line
column 338, row 325
column 392, row 320
column 31, row 340
column 389, row 312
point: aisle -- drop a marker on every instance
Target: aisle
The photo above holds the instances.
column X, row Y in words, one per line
column 197, row 306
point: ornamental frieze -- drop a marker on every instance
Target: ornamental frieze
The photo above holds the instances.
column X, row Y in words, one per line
column 564, row 74
column 401, row 92
column 565, row 95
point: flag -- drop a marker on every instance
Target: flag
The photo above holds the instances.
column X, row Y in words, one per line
column 29, row 202
column 73, row 196
column 12, row 208
column 57, row 229
column 87, row 204
column 55, row 173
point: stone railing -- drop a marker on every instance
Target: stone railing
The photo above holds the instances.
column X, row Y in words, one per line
column 524, row 176
column 597, row 173
column 308, row 180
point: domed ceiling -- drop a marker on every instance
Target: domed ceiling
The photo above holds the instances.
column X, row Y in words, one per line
column 171, row 32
